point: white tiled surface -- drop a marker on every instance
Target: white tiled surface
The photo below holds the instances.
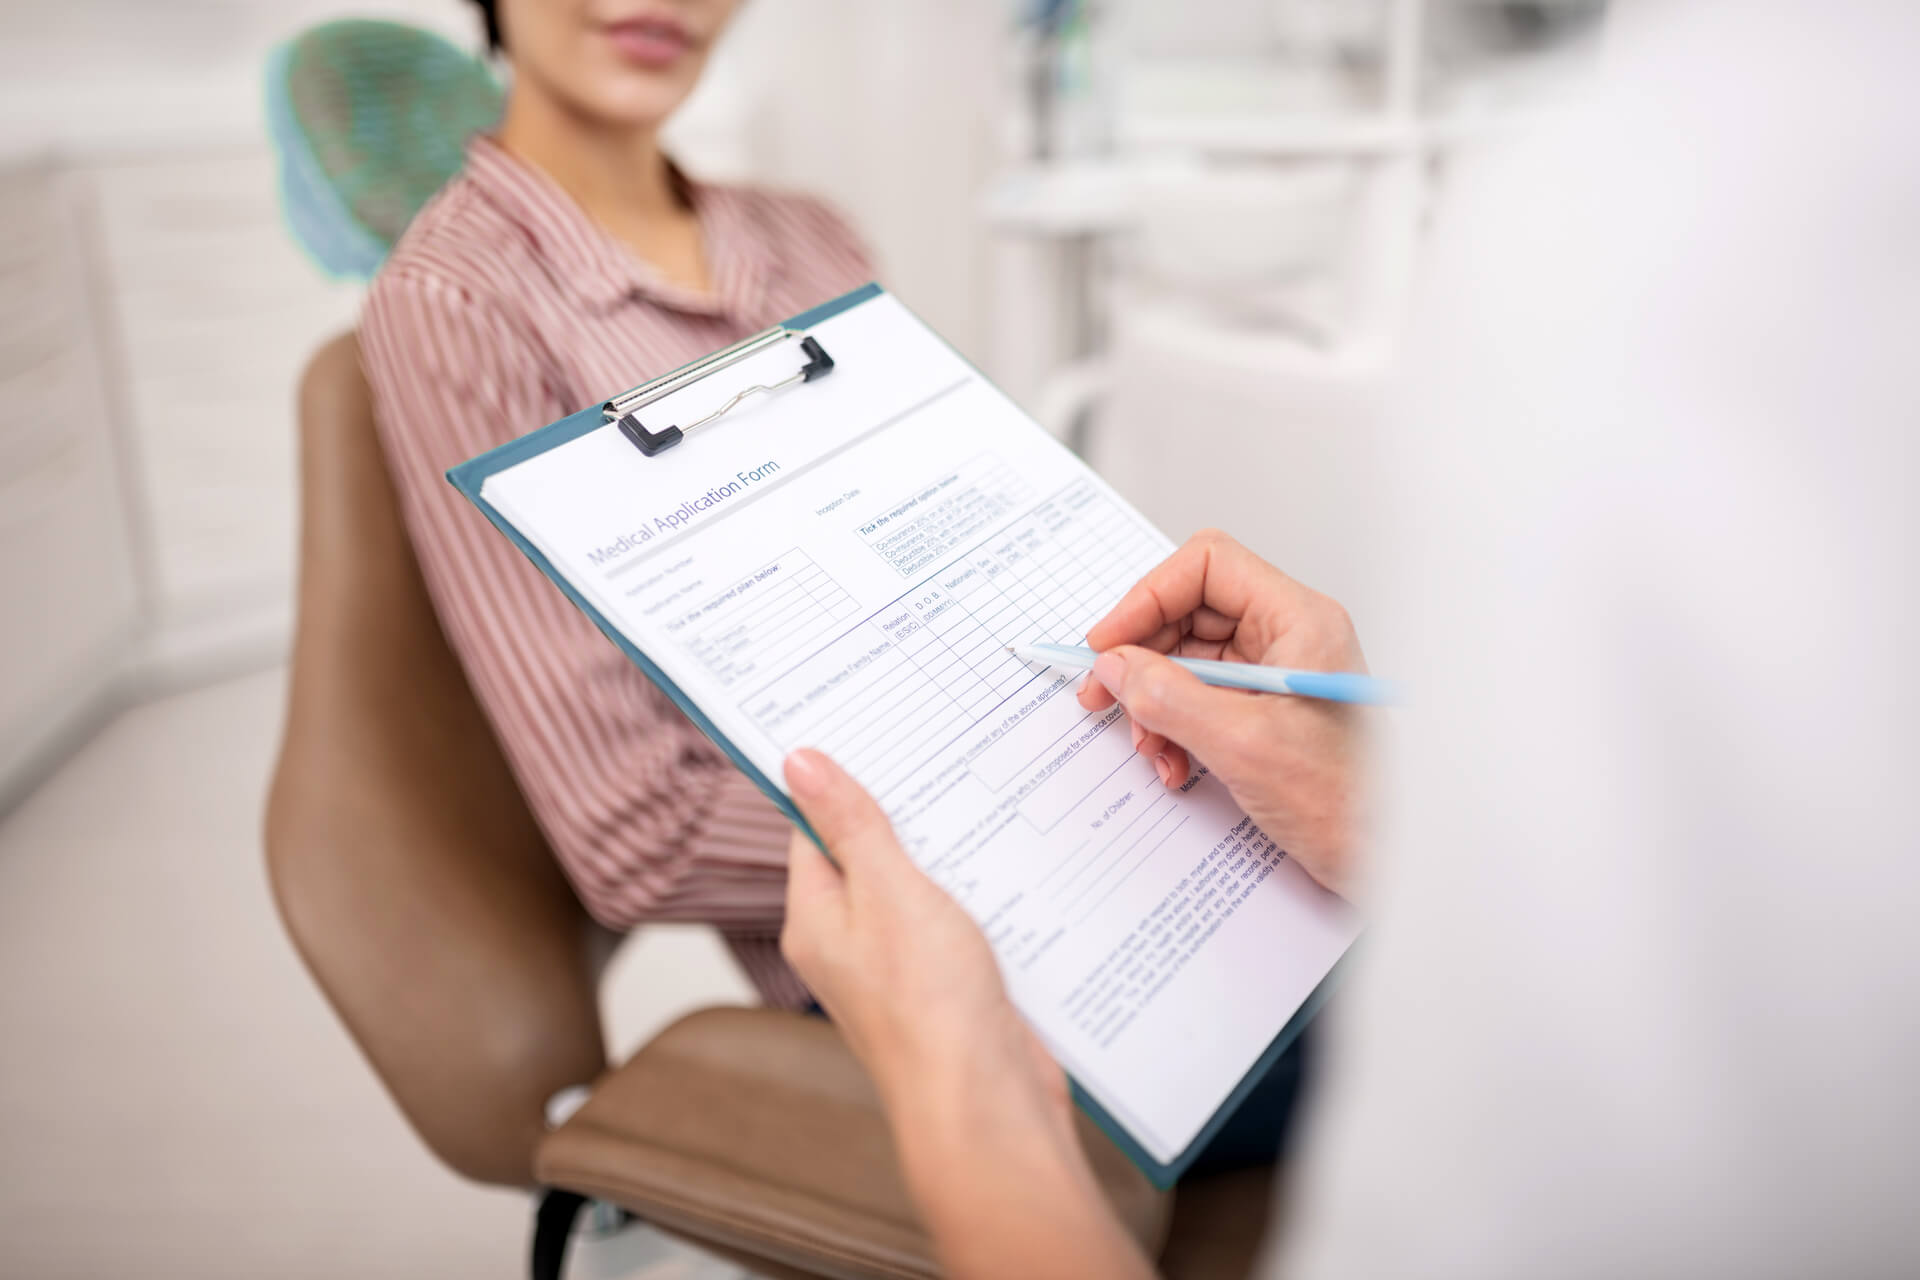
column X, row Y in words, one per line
column 175, row 1097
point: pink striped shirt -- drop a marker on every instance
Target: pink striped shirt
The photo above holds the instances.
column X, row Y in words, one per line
column 503, row 308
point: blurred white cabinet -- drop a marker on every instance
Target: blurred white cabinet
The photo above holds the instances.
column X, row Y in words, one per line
column 1203, row 426
column 67, row 572
column 215, row 312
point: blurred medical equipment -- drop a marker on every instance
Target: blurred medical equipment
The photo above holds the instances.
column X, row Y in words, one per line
column 1236, row 263
column 368, row 120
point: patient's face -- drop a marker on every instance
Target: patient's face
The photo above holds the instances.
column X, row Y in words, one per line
column 614, row 62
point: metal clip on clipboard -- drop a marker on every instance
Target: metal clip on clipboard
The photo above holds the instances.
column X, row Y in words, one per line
column 621, row 410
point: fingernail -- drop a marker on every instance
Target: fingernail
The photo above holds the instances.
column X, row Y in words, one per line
column 1085, row 680
column 805, row 772
column 1139, row 735
column 1110, row 669
column 1165, row 770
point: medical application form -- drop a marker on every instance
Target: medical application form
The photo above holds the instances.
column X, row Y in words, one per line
column 843, row 566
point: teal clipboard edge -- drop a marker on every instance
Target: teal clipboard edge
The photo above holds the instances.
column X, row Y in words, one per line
column 1164, row 1174
column 469, row 476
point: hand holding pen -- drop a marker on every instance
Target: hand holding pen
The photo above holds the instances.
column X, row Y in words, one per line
column 1294, row 763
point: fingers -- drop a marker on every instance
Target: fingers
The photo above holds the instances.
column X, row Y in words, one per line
column 1209, row 629
column 1171, row 702
column 847, row 820
column 1173, row 765
column 1212, row 577
column 1169, row 759
column 1095, row 696
column 816, row 908
column 813, row 883
column 1146, row 742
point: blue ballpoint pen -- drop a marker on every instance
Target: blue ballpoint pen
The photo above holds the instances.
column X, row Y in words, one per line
column 1329, row 686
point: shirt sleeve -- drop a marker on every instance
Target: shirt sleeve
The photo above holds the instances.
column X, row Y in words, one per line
column 648, row 818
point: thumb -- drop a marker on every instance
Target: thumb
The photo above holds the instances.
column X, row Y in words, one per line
column 1171, row 701
column 847, row 820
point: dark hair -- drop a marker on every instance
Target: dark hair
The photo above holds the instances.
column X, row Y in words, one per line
column 490, row 14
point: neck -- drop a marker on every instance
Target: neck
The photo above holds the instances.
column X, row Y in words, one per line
column 617, row 174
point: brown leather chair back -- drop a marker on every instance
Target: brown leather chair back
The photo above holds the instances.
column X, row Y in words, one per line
column 403, row 858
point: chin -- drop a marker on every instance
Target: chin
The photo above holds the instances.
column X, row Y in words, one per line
column 635, row 101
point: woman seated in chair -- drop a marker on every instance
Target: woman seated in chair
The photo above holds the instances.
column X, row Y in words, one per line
column 571, row 259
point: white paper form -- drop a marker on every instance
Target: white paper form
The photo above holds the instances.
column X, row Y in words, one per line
column 842, row 566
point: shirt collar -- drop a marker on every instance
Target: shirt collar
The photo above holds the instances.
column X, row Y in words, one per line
column 602, row 274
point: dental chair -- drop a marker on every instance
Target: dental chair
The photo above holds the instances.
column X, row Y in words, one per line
column 419, row 891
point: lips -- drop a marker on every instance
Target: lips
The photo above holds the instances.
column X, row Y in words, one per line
column 654, row 42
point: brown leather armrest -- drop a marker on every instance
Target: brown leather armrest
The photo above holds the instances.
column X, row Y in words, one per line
column 756, row 1131
column 1222, row 1223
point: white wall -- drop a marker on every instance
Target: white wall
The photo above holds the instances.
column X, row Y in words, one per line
column 887, row 108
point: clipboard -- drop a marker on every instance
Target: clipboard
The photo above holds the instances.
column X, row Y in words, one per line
column 471, row 476
column 649, row 434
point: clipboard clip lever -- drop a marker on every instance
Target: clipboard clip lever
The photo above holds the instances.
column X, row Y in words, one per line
column 622, row 410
